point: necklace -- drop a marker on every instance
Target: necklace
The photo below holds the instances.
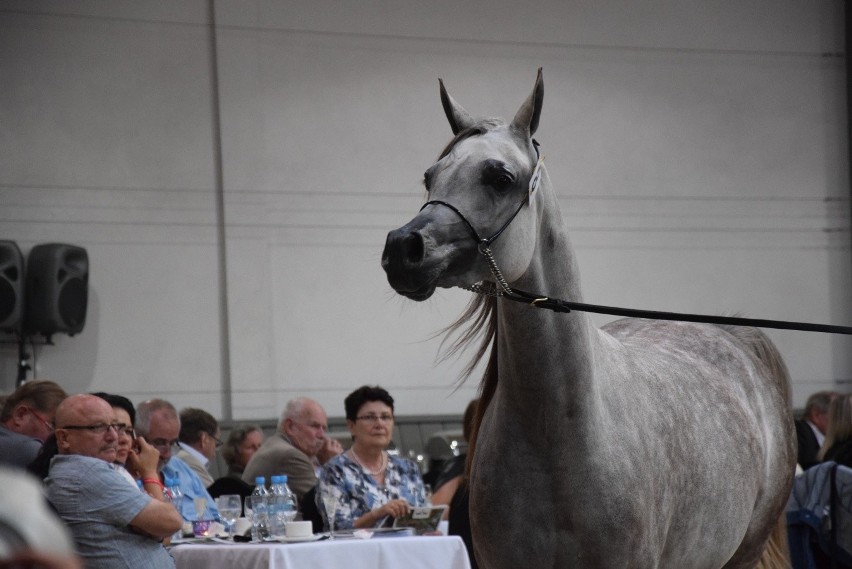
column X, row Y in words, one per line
column 382, row 467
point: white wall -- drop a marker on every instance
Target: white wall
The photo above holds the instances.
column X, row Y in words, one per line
column 699, row 152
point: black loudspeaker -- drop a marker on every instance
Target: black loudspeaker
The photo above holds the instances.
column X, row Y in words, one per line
column 57, row 289
column 11, row 286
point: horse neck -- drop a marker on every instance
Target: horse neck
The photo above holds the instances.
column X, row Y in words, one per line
column 544, row 355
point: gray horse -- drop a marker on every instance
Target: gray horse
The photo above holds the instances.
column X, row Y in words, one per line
column 643, row 444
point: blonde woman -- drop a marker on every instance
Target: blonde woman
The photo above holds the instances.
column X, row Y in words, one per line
column 838, row 437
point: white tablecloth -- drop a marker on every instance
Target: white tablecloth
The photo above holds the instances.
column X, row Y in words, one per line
column 422, row 552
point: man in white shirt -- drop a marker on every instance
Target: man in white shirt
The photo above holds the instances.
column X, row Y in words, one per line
column 199, row 439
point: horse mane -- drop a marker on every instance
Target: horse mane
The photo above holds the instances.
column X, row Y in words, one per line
column 478, row 321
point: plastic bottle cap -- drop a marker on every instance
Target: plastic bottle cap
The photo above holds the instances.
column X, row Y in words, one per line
column 260, row 480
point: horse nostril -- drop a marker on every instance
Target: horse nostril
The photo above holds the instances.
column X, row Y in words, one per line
column 412, row 247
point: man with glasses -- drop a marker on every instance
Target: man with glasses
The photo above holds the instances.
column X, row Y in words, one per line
column 199, row 439
column 157, row 420
column 114, row 524
column 27, row 420
column 298, row 448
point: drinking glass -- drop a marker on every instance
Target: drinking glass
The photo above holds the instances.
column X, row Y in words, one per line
column 329, row 502
column 229, row 510
column 257, row 512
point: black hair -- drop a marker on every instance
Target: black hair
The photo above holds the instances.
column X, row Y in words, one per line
column 193, row 422
column 365, row 394
column 119, row 401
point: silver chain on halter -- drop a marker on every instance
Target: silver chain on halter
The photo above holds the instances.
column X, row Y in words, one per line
column 502, row 287
column 492, row 289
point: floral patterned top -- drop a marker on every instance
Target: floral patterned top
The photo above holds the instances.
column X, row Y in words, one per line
column 355, row 492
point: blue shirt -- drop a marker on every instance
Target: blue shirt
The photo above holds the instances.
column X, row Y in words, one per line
column 192, row 488
column 17, row 449
column 97, row 505
column 356, row 492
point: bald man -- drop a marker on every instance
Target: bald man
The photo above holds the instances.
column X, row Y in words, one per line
column 114, row 525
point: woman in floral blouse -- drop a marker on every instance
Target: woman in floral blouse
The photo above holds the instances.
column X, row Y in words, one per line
column 368, row 486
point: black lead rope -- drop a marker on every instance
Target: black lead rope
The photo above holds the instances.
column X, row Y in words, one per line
column 558, row 305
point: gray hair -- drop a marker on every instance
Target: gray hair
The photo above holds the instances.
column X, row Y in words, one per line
column 147, row 408
column 295, row 410
column 819, row 401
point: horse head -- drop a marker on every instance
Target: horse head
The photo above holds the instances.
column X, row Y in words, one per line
column 480, row 188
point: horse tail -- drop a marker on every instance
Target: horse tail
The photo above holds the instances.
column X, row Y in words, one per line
column 486, row 393
column 776, row 554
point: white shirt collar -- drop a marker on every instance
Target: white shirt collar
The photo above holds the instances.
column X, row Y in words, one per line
column 201, row 458
column 819, row 436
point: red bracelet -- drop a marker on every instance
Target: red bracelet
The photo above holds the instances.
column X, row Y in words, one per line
column 153, row 481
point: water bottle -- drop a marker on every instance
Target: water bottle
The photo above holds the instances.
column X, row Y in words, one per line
column 259, row 500
column 173, row 494
column 282, row 506
column 291, row 504
column 276, row 527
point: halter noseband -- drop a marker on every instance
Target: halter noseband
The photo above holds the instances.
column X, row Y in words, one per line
column 484, row 244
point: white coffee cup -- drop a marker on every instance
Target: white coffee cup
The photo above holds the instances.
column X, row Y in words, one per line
column 241, row 526
column 299, row 529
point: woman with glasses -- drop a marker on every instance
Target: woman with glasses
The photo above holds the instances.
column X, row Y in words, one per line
column 368, row 486
column 124, row 415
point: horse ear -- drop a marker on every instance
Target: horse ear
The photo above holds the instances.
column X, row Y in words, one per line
column 526, row 120
column 458, row 117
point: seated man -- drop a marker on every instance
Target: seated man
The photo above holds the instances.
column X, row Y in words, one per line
column 297, row 449
column 811, row 428
column 27, row 420
column 199, row 439
column 158, row 421
column 113, row 524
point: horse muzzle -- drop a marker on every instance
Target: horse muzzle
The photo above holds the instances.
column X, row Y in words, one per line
column 404, row 261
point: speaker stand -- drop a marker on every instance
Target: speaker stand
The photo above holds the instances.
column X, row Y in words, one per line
column 23, row 360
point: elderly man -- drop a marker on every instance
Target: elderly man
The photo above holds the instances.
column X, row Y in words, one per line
column 27, row 420
column 297, row 449
column 158, row 421
column 810, row 429
column 114, row 524
column 199, row 439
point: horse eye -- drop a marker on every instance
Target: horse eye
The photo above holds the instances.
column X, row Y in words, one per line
column 497, row 175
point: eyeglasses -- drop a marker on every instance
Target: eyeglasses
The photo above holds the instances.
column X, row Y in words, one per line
column 126, row 430
column 43, row 421
column 313, row 425
column 373, row 419
column 98, row 429
column 218, row 442
column 164, row 445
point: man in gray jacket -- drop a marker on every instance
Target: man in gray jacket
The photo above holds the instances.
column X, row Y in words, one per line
column 298, row 449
